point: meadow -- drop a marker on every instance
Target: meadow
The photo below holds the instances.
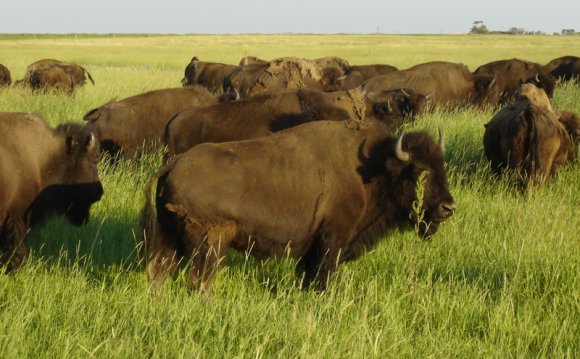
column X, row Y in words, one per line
column 500, row 279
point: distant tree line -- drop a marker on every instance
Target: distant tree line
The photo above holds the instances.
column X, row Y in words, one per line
column 480, row 28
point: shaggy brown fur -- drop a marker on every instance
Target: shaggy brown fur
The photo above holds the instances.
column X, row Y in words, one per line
column 449, row 84
column 269, row 112
column 207, row 74
column 43, row 172
column 510, row 74
column 137, row 123
column 5, row 78
column 76, row 75
column 319, row 192
column 565, row 68
column 531, row 139
column 285, row 73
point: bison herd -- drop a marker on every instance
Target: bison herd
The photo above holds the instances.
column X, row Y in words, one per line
column 289, row 156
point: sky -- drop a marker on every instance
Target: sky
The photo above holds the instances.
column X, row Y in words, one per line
column 289, row 16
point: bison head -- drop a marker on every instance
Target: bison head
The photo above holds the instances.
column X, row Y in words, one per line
column 545, row 81
column 80, row 174
column 418, row 161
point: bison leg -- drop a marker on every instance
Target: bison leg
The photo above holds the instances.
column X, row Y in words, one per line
column 162, row 263
column 319, row 262
column 208, row 257
column 12, row 247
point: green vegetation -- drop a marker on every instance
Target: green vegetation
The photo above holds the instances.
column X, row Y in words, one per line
column 500, row 279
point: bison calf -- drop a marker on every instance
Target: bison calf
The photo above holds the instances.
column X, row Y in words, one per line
column 321, row 192
column 44, row 172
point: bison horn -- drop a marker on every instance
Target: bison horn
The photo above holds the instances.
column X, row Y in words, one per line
column 492, row 81
column 405, row 93
column 537, row 78
column 441, row 139
column 401, row 155
column 91, row 143
column 341, row 78
column 389, row 108
column 429, row 95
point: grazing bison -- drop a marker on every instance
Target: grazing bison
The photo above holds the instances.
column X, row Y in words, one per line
column 5, row 78
column 269, row 112
column 530, row 138
column 565, row 68
column 75, row 73
column 284, row 73
column 207, row 74
column 450, row 84
column 137, row 123
column 44, row 172
column 53, row 78
column 321, row 192
column 513, row 73
column 356, row 75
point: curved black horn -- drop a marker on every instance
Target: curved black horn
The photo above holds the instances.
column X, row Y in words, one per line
column 441, row 139
column 401, row 155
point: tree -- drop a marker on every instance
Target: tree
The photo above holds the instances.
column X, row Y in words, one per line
column 568, row 32
column 478, row 28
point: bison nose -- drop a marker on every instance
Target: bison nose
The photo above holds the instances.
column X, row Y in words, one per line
column 447, row 209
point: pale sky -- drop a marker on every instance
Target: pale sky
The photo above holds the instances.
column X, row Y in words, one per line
column 296, row 16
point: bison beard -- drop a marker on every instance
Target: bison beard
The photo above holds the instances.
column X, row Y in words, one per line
column 320, row 192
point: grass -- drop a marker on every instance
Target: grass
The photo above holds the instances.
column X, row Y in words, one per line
column 500, row 279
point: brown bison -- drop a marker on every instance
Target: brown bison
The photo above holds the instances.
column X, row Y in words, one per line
column 136, row 123
column 270, row 112
column 207, row 74
column 530, row 138
column 284, row 73
column 320, row 192
column 513, row 73
column 74, row 73
column 44, row 172
column 450, row 84
column 5, row 78
column 565, row 68
column 53, row 78
column 356, row 75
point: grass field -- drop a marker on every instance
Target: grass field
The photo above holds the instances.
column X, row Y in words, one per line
column 501, row 278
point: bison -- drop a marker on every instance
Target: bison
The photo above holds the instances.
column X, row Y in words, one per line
column 530, row 139
column 450, row 84
column 75, row 73
column 207, row 74
column 284, row 73
column 44, row 172
column 321, row 192
column 5, row 78
column 269, row 112
column 513, row 73
column 565, row 68
column 54, row 78
column 356, row 75
column 136, row 124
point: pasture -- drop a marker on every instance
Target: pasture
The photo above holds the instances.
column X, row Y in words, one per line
column 500, row 279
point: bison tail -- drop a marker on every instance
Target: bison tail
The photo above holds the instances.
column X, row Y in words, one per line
column 88, row 75
column 149, row 223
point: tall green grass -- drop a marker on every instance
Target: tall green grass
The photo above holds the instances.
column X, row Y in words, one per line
column 500, row 279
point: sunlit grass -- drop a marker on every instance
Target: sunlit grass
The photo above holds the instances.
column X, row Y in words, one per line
column 500, row 279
